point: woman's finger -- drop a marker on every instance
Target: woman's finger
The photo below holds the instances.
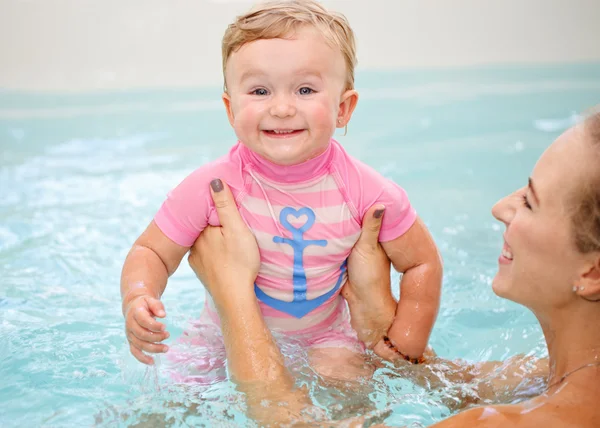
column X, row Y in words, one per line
column 369, row 235
column 227, row 210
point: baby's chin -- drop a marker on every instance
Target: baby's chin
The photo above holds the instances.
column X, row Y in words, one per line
column 286, row 161
column 289, row 158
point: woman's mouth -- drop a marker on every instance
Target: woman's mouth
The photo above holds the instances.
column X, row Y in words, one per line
column 506, row 255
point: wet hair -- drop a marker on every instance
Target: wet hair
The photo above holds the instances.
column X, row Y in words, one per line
column 281, row 18
column 586, row 216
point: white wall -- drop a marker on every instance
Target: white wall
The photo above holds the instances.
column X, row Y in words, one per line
column 83, row 45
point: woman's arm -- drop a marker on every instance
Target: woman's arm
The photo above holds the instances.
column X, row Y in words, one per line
column 226, row 260
column 368, row 290
column 372, row 309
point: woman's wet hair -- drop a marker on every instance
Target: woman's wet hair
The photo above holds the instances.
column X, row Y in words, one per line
column 586, row 217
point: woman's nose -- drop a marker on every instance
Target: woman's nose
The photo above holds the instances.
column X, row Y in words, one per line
column 504, row 210
column 283, row 106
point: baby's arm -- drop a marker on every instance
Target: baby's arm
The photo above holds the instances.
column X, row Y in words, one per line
column 157, row 253
column 416, row 256
column 151, row 260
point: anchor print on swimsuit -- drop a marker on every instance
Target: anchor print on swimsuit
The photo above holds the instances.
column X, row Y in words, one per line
column 300, row 305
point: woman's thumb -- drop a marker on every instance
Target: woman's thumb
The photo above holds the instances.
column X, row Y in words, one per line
column 372, row 224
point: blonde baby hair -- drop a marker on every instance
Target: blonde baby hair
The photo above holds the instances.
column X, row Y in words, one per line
column 280, row 18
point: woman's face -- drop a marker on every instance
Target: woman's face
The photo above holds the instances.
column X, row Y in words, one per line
column 540, row 264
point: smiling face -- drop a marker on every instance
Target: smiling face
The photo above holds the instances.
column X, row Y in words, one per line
column 540, row 263
column 286, row 96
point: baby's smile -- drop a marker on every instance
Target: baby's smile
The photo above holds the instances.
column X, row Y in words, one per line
column 282, row 133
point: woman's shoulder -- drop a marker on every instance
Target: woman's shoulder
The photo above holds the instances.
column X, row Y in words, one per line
column 538, row 412
column 488, row 417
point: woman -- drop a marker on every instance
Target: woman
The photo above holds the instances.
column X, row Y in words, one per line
column 550, row 263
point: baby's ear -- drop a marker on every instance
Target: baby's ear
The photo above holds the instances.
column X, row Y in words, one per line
column 347, row 105
column 227, row 101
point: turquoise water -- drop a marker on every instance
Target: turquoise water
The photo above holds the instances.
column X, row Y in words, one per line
column 82, row 175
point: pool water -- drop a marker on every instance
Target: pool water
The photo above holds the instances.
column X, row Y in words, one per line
column 82, row 175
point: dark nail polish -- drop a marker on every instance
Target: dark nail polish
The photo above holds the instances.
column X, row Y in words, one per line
column 378, row 213
column 217, row 185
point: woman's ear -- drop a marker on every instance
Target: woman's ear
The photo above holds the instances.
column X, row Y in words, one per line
column 589, row 281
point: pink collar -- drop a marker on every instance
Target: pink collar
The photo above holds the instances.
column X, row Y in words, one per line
column 304, row 171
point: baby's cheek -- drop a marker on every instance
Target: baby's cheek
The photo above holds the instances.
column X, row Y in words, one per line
column 244, row 122
column 323, row 117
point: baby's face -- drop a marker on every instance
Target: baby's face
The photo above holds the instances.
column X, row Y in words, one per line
column 285, row 96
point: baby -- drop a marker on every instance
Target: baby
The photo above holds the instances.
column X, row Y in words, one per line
column 289, row 83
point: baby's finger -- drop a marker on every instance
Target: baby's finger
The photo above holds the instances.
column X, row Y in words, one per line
column 143, row 318
column 156, row 307
column 140, row 356
column 153, row 348
column 147, row 335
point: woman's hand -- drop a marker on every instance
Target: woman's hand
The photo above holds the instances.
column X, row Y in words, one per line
column 226, row 258
column 368, row 291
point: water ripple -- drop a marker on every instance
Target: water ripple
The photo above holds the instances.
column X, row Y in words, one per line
column 78, row 187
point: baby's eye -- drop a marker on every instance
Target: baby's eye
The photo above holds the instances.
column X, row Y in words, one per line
column 260, row 92
column 305, row 91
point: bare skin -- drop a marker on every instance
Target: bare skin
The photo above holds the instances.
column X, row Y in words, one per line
column 296, row 83
column 271, row 67
column 542, row 271
column 150, row 262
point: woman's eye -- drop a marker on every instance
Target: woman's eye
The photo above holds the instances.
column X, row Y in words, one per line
column 526, row 202
column 305, row 91
column 260, row 92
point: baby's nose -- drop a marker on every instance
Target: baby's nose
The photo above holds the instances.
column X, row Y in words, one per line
column 283, row 106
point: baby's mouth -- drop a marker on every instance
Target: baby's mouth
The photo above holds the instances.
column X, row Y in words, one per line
column 282, row 133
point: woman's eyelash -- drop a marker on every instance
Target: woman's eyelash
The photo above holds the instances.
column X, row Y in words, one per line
column 526, row 202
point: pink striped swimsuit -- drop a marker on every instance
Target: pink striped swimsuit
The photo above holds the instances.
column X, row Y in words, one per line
column 306, row 219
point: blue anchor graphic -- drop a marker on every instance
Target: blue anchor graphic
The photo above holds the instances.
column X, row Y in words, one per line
column 300, row 305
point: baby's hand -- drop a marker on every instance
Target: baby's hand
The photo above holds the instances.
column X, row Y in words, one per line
column 143, row 332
